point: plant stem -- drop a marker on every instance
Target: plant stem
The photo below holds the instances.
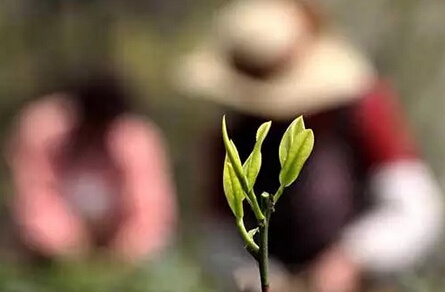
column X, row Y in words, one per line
column 278, row 194
column 256, row 207
column 263, row 264
column 263, row 260
column 251, row 246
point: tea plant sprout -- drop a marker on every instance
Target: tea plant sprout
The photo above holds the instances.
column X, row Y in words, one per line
column 239, row 179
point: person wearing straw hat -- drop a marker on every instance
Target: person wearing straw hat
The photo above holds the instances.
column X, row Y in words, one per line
column 366, row 203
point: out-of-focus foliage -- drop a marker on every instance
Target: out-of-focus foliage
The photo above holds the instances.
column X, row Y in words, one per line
column 406, row 39
column 172, row 273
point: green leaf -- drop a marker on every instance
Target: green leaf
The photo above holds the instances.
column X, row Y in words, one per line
column 232, row 189
column 300, row 149
column 252, row 165
column 262, row 132
column 296, row 127
column 233, row 155
column 235, row 151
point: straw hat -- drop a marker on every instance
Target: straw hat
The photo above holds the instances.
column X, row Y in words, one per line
column 274, row 58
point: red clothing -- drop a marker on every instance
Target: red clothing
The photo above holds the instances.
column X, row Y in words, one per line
column 386, row 135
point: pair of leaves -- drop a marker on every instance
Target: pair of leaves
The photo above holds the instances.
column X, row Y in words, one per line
column 295, row 147
column 238, row 180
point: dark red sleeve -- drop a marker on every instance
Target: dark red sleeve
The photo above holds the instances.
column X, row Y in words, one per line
column 384, row 132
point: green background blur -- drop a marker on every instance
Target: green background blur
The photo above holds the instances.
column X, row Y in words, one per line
column 39, row 39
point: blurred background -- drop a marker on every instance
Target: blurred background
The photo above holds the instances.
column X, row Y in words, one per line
column 144, row 38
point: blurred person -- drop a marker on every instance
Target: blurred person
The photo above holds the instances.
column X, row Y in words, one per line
column 366, row 204
column 90, row 174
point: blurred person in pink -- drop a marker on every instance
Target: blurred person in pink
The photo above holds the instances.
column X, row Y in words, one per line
column 89, row 173
column 366, row 203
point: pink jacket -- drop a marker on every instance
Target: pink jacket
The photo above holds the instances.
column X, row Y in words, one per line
column 46, row 219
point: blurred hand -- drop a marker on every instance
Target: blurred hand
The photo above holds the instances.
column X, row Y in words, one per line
column 333, row 271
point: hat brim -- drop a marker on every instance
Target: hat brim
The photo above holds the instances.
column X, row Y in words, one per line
column 334, row 72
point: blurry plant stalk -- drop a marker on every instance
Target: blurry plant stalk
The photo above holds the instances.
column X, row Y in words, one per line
column 239, row 180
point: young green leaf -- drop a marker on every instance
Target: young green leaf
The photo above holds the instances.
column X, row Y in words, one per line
column 233, row 190
column 294, row 129
column 233, row 155
column 299, row 152
column 252, row 165
column 233, row 158
column 262, row 132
